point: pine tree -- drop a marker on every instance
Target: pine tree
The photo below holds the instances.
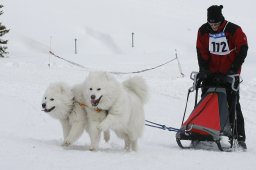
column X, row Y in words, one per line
column 3, row 31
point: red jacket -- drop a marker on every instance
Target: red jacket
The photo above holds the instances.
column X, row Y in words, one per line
column 237, row 43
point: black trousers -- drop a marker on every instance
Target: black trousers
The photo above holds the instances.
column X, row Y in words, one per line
column 234, row 106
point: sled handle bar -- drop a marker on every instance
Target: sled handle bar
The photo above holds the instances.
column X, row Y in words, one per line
column 193, row 76
column 233, row 77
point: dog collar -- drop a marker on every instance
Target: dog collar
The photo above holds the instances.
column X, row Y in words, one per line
column 82, row 105
column 99, row 110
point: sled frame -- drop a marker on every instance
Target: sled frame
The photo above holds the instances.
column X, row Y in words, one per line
column 213, row 136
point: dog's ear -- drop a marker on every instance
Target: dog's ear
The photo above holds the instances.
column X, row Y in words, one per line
column 62, row 88
column 108, row 76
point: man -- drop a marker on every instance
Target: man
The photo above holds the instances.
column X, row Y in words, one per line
column 221, row 50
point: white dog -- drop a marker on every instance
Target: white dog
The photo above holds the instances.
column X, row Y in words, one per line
column 64, row 103
column 122, row 104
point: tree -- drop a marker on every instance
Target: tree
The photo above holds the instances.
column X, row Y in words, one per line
column 3, row 31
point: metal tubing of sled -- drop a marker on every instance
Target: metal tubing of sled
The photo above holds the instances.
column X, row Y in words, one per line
column 234, row 128
column 180, row 145
column 221, row 148
column 191, row 147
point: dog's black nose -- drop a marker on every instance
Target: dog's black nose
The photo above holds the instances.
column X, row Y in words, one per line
column 43, row 105
column 93, row 97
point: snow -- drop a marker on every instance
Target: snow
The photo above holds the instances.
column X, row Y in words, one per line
column 30, row 139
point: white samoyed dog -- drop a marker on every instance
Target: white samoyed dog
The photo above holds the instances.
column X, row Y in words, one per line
column 67, row 105
column 63, row 103
column 122, row 103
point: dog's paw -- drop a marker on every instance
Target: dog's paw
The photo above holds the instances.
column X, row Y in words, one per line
column 107, row 135
column 91, row 148
column 66, row 143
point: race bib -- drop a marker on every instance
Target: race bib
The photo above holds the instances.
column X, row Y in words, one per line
column 218, row 44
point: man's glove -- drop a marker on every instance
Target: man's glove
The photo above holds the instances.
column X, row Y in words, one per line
column 202, row 75
column 232, row 70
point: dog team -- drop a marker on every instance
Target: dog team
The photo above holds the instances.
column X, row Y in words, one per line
column 98, row 105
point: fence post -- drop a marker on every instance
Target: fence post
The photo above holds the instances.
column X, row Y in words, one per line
column 75, row 45
column 132, row 39
column 176, row 54
column 49, row 59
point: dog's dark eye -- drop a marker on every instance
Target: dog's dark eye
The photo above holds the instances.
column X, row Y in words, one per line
column 91, row 89
column 52, row 99
column 98, row 89
column 45, row 98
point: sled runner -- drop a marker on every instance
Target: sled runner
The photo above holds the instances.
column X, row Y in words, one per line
column 209, row 120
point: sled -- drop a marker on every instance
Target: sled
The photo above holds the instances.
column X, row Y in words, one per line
column 209, row 120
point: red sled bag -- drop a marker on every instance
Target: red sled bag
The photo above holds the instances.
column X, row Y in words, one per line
column 209, row 120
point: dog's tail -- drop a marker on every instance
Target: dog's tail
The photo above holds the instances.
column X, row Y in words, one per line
column 138, row 86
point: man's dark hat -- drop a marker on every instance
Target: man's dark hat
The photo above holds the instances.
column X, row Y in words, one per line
column 214, row 14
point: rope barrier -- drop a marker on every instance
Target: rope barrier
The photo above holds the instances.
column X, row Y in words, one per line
column 133, row 72
column 144, row 70
column 71, row 62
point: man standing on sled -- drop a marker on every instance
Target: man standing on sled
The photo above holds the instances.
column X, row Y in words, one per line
column 221, row 50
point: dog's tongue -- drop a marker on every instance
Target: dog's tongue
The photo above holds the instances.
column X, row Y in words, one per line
column 93, row 102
